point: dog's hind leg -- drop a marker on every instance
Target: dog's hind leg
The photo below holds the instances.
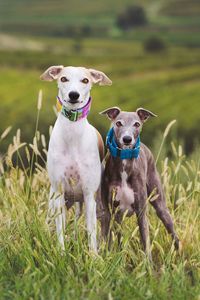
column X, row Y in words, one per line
column 154, row 186
column 164, row 215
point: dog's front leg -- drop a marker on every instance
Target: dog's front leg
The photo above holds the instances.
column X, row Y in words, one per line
column 105, row 224
column 57, row 210
column 144, row 229
column 91, row 219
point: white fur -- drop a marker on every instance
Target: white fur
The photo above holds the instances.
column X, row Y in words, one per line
column 73, row 151
column 74, row 75
column 125, row 194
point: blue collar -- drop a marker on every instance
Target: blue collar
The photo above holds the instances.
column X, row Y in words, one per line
column 121, row 153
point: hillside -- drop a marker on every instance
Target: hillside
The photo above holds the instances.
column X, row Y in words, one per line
column 98, row 18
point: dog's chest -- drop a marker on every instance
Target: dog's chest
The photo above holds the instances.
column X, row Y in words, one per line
column 73, row 159
column 72, row 173
column 122, row 194
column 73, row 180
column 72, row 170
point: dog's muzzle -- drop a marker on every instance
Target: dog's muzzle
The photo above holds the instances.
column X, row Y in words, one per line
column 73, row 96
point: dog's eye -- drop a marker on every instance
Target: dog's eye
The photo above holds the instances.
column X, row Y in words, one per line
column 119, row 124
column 136, row 124
column 85, row 80
column 64, row 79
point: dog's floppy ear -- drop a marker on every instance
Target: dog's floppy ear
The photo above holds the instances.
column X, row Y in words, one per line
column 99, row 77
column 111, row 113
column 144, row 114
column 51, row 73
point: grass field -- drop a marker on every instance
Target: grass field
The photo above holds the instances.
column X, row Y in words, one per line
column 32, row 266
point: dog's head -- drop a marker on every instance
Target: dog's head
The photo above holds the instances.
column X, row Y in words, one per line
column 75, row 83
column 127, row 125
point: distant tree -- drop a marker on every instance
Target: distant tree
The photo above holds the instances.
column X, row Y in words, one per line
column 86, row 30
column 154, row 44
column 133, row 16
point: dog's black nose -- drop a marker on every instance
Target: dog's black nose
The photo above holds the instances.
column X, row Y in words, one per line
column 127, row 139
column 73, row 96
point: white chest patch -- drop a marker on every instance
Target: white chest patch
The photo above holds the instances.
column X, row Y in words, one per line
column 124, row 194
column 72, row 163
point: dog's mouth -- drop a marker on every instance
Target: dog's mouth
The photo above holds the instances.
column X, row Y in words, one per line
column 73, row 104
column 127, row 146
column 73, row 101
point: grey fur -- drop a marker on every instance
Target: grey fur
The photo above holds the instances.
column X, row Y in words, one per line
column 142, row 179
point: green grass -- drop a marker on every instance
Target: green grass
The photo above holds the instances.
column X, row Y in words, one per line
column 33, row 267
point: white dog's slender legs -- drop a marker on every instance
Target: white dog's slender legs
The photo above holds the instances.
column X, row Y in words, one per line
column 91, row 220
column 57, row 210
column 60, row 226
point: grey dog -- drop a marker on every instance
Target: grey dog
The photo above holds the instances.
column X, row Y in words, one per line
column 130, row 176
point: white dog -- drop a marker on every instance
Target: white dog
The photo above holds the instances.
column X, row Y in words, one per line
column 73, row 161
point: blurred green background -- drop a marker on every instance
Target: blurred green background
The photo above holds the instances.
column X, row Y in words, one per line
column 150, row 49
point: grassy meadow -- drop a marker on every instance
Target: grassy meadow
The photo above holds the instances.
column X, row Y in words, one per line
column 39, row 34
column 33, row 267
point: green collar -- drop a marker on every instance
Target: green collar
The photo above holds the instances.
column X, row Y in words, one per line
column 74, row 114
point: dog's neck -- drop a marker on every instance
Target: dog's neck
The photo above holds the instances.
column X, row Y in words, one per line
column 74, row 114
column 71, row 132
column 117, row 152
